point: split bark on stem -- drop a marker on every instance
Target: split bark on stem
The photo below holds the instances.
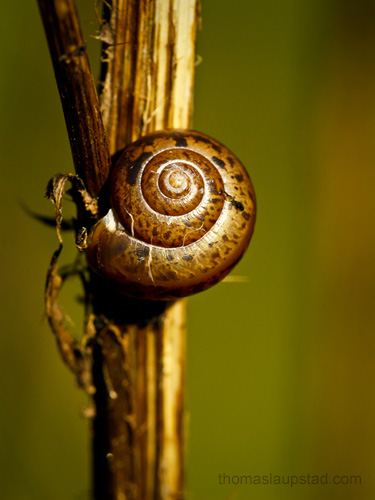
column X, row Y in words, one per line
column 137, row 348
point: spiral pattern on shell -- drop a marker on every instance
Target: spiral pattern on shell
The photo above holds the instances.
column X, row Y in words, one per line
column 182, row 215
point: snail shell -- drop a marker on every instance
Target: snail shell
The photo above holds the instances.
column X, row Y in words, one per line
column 182, row 215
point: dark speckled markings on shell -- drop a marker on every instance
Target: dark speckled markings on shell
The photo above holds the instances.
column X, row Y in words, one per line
column 182, row 215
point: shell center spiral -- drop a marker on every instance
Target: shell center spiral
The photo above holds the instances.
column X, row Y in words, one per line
column 172, row 184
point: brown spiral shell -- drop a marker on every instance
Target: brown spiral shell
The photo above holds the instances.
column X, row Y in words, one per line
column 182, row 215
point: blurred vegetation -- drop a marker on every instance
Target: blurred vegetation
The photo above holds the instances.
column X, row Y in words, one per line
column 281, row 367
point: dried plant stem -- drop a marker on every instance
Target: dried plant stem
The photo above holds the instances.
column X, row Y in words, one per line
column 158, row 59
column 139, row 427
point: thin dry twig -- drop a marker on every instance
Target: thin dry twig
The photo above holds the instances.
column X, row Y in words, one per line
column 78, row 93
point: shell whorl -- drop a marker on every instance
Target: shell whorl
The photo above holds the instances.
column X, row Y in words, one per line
column 182, row 215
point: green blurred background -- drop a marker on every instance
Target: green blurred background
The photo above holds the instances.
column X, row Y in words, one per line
column 281, row 367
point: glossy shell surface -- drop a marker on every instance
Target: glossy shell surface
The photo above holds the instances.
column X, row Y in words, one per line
column 182, row 215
